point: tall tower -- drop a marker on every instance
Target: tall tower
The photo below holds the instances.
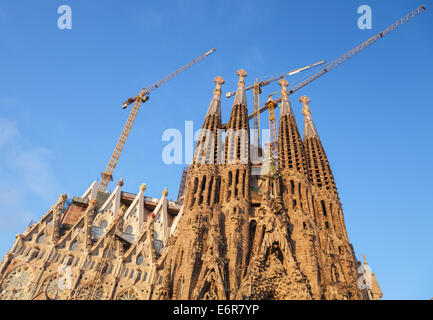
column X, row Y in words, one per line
column 338, row 272
column 236, row 187
column 272, row 271
column 184, row 262
column 297, row 194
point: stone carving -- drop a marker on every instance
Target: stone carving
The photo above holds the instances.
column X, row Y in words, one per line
column 277, row 235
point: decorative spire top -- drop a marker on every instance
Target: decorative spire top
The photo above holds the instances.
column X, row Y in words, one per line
column 165, row 192
column 286, row 107
column 309, row 128
column 143, row 187
column 120, row 182
column 240, row 92
column 215, row 104
column 305, row 107
column 283, row 83
column 219, row 81
column 365, row 260
column 242, row 75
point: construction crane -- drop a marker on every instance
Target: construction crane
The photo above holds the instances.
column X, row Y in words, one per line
column 142, row 97
column 257, row 89
column 272, row 104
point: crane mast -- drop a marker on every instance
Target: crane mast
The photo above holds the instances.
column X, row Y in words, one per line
column 142, row 97
column 256, row 93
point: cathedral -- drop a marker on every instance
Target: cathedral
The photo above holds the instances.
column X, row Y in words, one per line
column 241, row 230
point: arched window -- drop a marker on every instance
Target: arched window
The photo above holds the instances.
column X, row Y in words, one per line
column 74, row 245
column 104, row 224
column 129, row 229
column 70, row 260
column 41, row 238
column 139, row 260
column 322, row 202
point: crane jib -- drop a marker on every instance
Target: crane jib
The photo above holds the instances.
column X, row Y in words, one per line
column 347, row 55
column 106, row 176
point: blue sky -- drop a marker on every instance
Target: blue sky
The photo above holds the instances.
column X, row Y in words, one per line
column 61, row 92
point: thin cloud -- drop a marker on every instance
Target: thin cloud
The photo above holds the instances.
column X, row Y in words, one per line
column 254, row 59
column 8, row 132
column 27, row 179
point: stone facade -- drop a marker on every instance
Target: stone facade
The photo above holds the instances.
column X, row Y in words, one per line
column 279, row 234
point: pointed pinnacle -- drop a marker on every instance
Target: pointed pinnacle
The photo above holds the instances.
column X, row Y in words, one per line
column 305, row 107
column 219, row 82
column 242, row 74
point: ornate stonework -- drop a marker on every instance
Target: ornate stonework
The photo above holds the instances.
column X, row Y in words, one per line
column 277, row 235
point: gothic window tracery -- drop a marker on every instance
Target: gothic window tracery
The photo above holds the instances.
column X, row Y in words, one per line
column 128, row 295
column 85, row 293
column 16, row 284
column 57, row 286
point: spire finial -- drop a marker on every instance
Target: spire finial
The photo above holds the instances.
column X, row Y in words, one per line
column 219, row 82
column 242, row 74
column 283, row 83
column 309, row 127
column 120, row 182
column 165, row 192
column 215, row 104
column 365, row 260
column 240, row 91
column 286, row 108
column 143, row 187
column 305, row 107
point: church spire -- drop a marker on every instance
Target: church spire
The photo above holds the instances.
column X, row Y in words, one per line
column 215, row 104
column 207, row 148
column 318, row 164
column 235, row 187
column 290, row 146
column 285, row 107
column 237, row 139
column 309, row 128
column 240, row 91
